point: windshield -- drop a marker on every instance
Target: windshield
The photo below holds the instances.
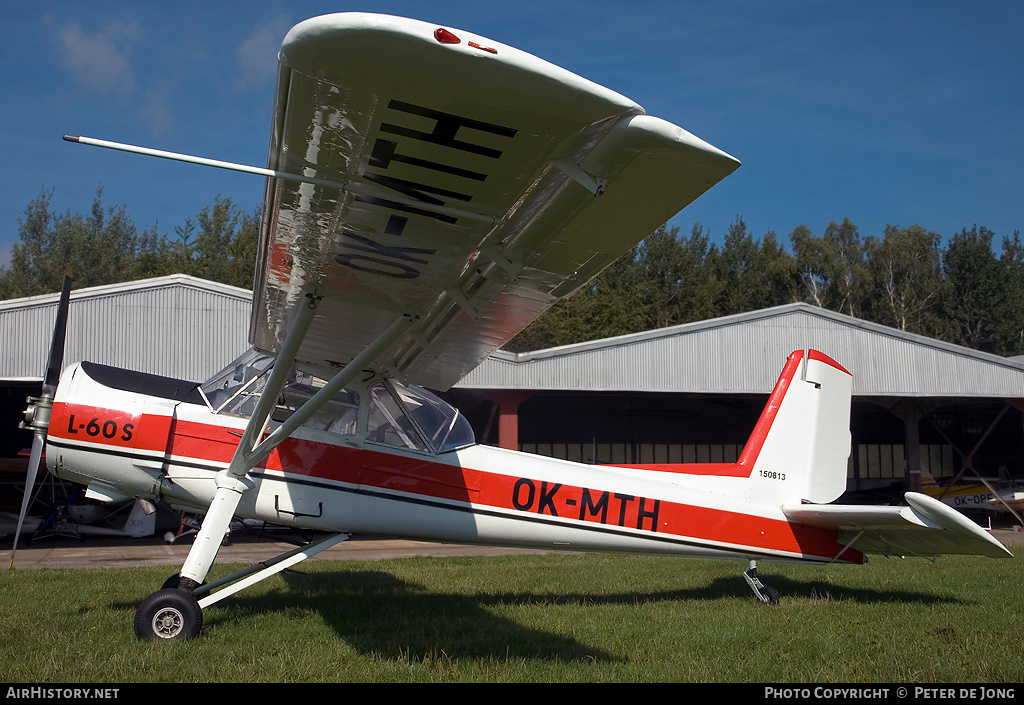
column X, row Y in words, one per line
column 236, row 388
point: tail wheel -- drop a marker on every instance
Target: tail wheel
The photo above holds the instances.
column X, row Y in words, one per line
column 169, row 614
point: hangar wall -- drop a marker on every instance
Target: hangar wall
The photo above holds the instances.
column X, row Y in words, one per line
column 176, row 326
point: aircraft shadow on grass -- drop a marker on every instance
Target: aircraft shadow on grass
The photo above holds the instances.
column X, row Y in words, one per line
column 816, row 590
column 377, row 613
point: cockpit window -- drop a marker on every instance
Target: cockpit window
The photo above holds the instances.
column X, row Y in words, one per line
column 445, row 427
column 339, row 415
column 235, row 389
column 406, row 417
column 413, row 418
column 389, row 423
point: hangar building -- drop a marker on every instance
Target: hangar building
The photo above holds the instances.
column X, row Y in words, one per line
column 178, row 326
column 687, row 393
column 692, row 393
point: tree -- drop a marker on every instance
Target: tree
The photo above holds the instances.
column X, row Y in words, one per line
column 103, row 247
column 1009, row 326
column 832, row 269
column 225, row 244
column 906, row 273
column 676, row 283
column 754, row 274
column 975, row 295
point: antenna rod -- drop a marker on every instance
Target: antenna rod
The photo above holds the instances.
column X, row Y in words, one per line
column 188, row 159
column 350, row 187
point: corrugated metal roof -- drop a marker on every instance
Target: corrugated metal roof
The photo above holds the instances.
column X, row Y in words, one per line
column 745, row 354
column 189, row 328
column 178, row 326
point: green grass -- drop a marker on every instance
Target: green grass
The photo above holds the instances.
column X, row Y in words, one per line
column 587, row 618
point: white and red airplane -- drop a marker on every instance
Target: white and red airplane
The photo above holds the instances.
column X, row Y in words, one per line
column 429, row 193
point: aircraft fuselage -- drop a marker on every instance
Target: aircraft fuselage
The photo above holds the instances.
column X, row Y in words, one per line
column 172, row 446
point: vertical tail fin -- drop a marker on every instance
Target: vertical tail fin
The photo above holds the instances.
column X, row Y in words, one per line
column 799, row 448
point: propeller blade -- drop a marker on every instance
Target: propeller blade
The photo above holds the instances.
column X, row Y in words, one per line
column 30, row 482
column 37, row 415
column 55, row 361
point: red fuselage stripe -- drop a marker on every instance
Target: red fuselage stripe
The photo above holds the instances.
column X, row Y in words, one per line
column 368, row 468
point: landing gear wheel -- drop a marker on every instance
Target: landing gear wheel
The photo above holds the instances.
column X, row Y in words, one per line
column 169, row 614
column 765, row 593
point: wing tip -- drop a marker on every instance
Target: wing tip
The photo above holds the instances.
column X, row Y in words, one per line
column 952, row 520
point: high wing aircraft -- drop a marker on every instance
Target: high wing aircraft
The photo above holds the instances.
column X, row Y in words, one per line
column 962, row 496
column 429, row 193
column 977, row 496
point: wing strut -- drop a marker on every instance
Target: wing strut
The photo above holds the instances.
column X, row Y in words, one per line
column 233, row 481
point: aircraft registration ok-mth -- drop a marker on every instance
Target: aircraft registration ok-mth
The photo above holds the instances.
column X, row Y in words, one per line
column 420, row 211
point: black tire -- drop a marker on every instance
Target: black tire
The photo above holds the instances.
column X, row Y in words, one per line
column 169, row 614
column 772, row 594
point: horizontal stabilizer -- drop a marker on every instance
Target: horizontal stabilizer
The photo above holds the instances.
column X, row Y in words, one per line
column 925, row 527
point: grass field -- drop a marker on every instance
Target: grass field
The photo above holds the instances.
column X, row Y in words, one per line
column 565, row 618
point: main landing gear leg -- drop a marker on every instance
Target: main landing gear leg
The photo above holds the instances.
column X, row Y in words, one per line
column 764, row 592
column 175, row 613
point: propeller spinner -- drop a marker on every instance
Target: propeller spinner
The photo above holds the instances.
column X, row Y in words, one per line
column 37, row 415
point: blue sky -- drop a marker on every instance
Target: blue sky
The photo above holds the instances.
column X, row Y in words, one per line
column 882, row 112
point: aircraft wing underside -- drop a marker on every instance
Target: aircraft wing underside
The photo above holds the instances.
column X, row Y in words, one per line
column 464, row 183
column 924, row 527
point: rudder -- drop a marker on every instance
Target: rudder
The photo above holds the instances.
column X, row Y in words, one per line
column 800, row 446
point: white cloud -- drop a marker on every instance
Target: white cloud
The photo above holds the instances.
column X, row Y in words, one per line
column 156, row 111
column 100, row 62
column 257, row 55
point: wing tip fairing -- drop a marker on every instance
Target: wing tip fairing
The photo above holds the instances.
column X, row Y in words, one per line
column 312, row 45
column 956, row 523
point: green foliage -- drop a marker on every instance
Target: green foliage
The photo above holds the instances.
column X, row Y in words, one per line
column 105, row 247
column 975, row 293
column 832, row 269
column 964, row 293
column 905, row 279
